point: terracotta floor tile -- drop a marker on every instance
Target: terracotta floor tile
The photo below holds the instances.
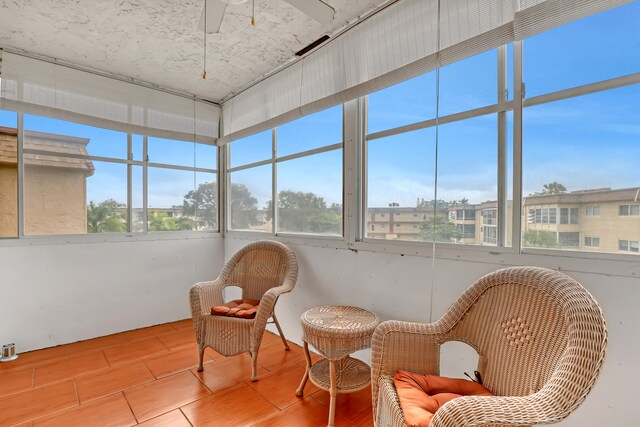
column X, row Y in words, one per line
column 183, row 324
column 279, row 386
column 134, row 350
column 237, row 406
column 69, row 367
column 15, row 380
column 32, row 357
column 27, row 424
column 273, row 355
column 152, row 331
column 356, row 407
column 20, row 407
column 227, row 371
column 175, row 361
column 270, row 338
column 171, row 419
column 112, row 411
column 96, row 343
column 111, row 380
column 179, row 339
column 158, row 397
column 306, row 413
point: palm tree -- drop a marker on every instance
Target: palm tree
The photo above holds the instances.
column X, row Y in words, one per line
column 102, row 217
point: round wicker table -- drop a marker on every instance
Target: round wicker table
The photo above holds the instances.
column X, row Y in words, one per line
column 336, row 331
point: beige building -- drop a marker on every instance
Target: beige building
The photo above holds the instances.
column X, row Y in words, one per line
column 55, row 187
column 599, row 220
column 398, row 223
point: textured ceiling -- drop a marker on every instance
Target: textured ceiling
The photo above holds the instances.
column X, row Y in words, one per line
column 158, row 41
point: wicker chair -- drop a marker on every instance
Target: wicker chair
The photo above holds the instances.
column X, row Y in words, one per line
column 541, row 340
column 263, row 270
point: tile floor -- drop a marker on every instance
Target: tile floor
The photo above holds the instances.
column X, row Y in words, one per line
column 147, row 377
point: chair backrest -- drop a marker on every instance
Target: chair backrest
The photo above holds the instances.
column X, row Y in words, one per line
column 260, row 266
column 536, row 331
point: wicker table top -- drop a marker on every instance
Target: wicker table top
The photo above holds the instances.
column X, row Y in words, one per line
column 338, row 330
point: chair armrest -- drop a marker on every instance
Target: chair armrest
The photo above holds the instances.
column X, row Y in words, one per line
column 203, row 296
column 472, row 411
column 265, row 309
column 413, row 347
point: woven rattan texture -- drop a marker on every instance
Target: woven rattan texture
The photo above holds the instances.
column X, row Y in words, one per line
column 541, row 338
column 338, row 330
column 351, row 374
column 264, row 270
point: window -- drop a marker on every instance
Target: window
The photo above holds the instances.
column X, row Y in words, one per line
column 569, row 239
column 467, row 231
column 465, row 214
column 79, row 179
column 542, row 216
column 401, row 162
column 182, row 186
column 469, row 84
column 489, row 216
column 592, row 210
column 249, row 196
column 629, row 245
column 629, row 210
column 308, row 168
column 592, row 242
column 8, row 174
column 552, row 58
column 490, row 235
column 569, row 159
column 66, row 190
column 251, row 149
column 408, row 102
column 568, row 215
column 403, row 177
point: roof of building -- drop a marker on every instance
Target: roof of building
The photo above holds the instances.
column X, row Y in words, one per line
column 46, row 142
column 587, row 196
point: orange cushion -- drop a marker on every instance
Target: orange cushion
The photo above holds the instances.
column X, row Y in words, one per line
column 243, row 308
column 422, row 395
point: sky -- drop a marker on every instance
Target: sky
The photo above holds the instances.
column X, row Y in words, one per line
column 591, row 141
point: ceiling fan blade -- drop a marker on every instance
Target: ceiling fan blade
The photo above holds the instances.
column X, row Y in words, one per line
column 314, row 9
column 215, row 13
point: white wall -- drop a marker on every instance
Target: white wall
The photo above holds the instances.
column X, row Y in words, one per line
column 399, row 287
column 58, row 293
column 55, row 292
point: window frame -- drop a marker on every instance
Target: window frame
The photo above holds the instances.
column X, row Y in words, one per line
column 273, row 161
column 129, row 234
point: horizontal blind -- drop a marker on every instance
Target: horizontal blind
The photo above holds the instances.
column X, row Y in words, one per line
column 43, row 88
column 537, row 16
column 402, row 41
column 393, row 45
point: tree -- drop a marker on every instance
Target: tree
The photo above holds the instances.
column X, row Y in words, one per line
column 422, row 203
column 306, row 213
column 103, row 217
column 244, row 207
column 440, row 228
column 464, row 201
column 202, row 204
column 551, row 188
column 159, row 221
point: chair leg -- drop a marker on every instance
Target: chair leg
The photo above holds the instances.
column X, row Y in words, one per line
column 284, row 340
column 200, row 358
column 254, row 366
